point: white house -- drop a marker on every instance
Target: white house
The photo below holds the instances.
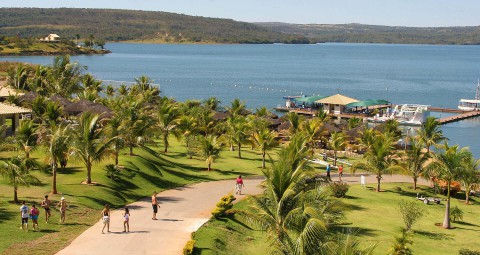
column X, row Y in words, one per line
column 51, row 38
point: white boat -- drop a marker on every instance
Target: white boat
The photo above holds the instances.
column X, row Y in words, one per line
column 471, row 104
column 405, row 114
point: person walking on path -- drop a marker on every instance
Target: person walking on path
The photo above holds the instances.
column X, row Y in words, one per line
column 239, row 185
column 106, row 218
column 46, row 205
column 126, row 220
column 34, row 216
column 155, row 205
column 63, row 209
column 340, row 172
column 328, row 172
column 24, row 215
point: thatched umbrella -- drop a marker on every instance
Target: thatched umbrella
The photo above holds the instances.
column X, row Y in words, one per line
column 330, row 128
column 60, row 100
column 355, row 133
column 221, row 116
column 273, row 123
column 28, row 97
column 285, row 126
column 101, row 110
column 79, row 106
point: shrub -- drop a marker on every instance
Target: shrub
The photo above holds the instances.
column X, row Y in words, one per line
column 339, row 189
column 401, row 244
column 189, row 246
column 411, row 212
column 468, row 252
column 456, row 213
column 225, row 204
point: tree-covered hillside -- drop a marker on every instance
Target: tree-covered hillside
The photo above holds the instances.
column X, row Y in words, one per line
column 358, row 33
column 123, row 25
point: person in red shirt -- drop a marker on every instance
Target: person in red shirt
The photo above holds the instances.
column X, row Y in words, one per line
column 340, row 172
column 239, row 185
column 34, row 216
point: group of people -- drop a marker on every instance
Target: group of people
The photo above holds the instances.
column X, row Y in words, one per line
column 34, row 213
column 340, row 172
column 106, row 219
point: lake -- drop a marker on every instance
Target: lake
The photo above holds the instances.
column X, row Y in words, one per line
column 262, row 74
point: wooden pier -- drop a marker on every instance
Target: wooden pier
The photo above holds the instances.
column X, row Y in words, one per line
column 461, row 116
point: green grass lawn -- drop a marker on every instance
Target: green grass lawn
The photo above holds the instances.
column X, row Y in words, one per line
column 374, row 214
column 149, row 173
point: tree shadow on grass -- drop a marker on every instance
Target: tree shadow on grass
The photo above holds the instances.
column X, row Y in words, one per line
column 466, row 224
column 69, row 171
column 433, row 235
column 360, row 232
column 157, row 181
column 6, row 215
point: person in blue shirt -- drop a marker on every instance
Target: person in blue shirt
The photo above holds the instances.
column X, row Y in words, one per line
column 328, row 172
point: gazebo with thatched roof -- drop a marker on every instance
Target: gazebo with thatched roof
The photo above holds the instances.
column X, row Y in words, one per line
column 335, row 104
column 79, row 107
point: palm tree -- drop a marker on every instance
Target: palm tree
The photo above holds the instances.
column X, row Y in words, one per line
column 39, row 82
column 295, row 218
column 262, row 112
column 430, row 133
column 415, row 161
column 322, row 115
column 295, row 121
column 336, row 142
column 210, row 150
column 136, row 123
column 470, row 177
column 238, row 128
column 114, row 132
column 392, row 126
column 212, row 103
column 89, row 143
column 16, row 171
column 57, row 143
column 26, row 136
column 64, row 77
column 314, row 129
column 188, row 127
column 167, row 120
column 354, row 122
column 17, row 77
column 448, row 165
column 52, row 114
column 380, row 158
column 367, row 138
column 265, row 140
column 237, row 107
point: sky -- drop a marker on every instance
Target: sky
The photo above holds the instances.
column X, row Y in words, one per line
column 416, row 13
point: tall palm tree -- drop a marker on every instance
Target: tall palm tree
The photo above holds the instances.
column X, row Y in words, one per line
column 314, row 131
column 295, row 121
column 448, row 165
column 188, row 127
column 136, row 123
column 52, row 114
column 431, row 133
column 167, row 121
column 39, row 82
column 392, row 126
column 210, row 150
column 265, row 140
column 89, row 143
column 415, row 161
column 57, row 142
column 237, row 107
column 16, row 171
column 114, row 132
column 470, row 177
column 262, row 112
column 354, row 122
column 26, row 136
column 367, row 138
column 238, row 128
column 65, row 77
column 336, row 142
column 380, row 157
column 295, row 218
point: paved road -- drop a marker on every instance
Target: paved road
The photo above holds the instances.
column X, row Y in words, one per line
column 183, row 210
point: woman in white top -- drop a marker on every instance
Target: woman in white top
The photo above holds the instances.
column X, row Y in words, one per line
column 126, row 218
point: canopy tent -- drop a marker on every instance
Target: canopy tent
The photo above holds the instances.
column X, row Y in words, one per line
column 13, row 111
column 309, row 100
column 335, row 104
column 337, row 99
column 366, row 103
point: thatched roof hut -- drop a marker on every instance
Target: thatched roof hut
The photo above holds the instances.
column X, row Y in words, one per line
column 60, row 100
column 221, row 116
column 79, row 107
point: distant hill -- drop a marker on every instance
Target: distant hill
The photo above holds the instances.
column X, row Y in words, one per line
column 358, row 33
column 129, row 25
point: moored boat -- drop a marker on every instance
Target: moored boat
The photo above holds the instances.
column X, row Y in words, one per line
column 471, row 104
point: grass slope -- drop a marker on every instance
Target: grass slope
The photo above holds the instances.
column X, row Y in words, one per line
column 47, row 49
column 374, row 214
column 144, row 173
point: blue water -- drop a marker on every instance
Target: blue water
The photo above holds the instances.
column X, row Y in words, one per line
column 262, row 74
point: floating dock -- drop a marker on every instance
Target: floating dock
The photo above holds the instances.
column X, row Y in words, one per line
column 461, row 116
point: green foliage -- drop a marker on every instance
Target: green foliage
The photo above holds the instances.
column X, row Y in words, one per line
column 112, row 171
column 468, row 252
column 134, row 25
column 225, row 204
column 189, row 246
column 456, row 214
column 401, row 244
column 411, row 212
column 339, row 189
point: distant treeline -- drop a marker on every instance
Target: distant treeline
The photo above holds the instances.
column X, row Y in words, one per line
column 128, row 25
column 358, row 33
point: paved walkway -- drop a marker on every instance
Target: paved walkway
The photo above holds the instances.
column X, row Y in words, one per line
column 183, row 210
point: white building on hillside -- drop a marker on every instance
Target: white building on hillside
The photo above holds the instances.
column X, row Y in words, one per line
column 51, row 38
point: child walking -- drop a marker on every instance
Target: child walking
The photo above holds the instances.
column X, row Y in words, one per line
column 106, row 218
column 126, row 219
